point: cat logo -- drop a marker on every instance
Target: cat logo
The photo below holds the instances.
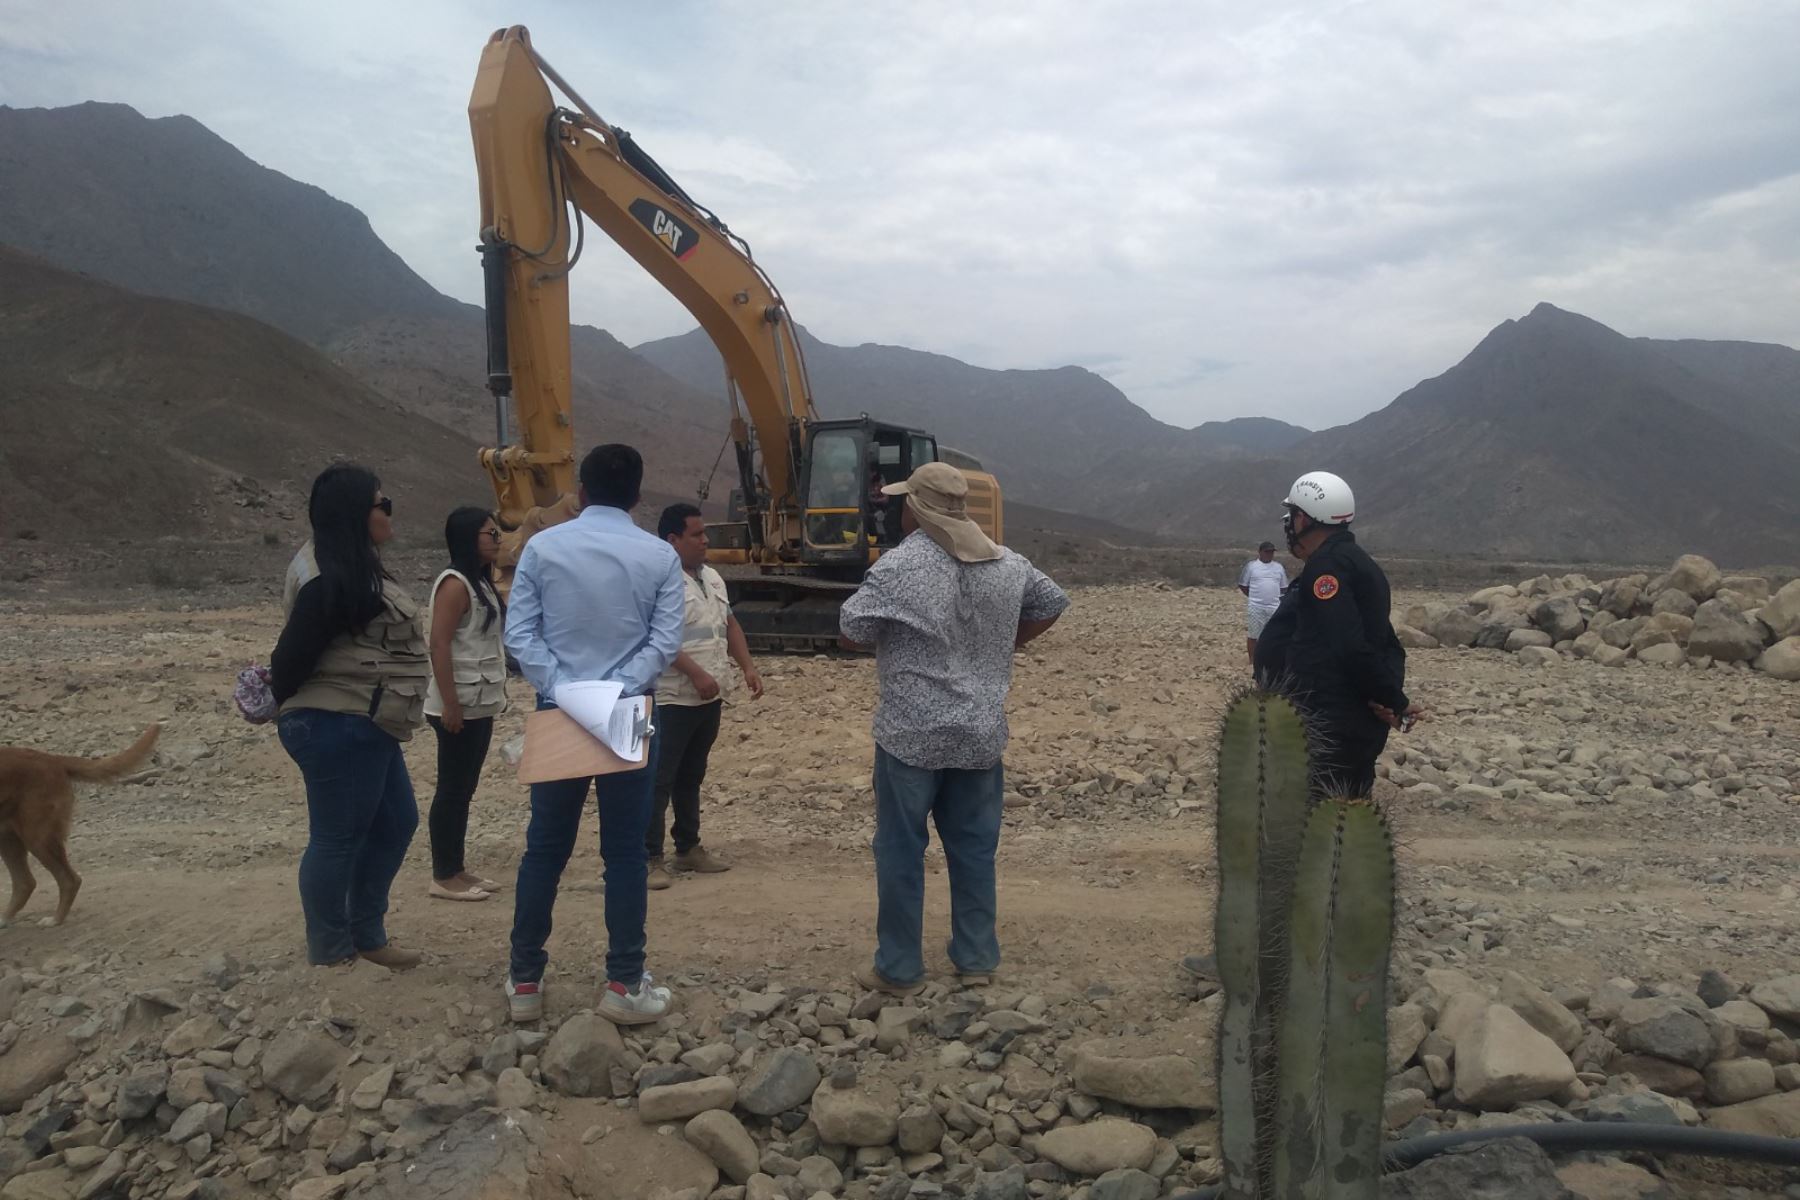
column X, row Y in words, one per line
column 676, row 235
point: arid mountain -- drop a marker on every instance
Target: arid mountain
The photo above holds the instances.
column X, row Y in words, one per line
column 134, row 417
column 1555, row 437
column 1036, row 430
column 167, row 208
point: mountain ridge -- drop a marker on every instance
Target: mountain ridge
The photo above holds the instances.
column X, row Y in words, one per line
column 1553, row 436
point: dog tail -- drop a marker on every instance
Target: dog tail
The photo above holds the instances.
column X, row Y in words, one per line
column 103, row 770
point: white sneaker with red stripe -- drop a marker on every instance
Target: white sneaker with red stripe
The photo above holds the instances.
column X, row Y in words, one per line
column 637, row 1006
column 525, row 1002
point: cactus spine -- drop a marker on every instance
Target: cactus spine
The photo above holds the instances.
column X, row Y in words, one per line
column 1304, row 921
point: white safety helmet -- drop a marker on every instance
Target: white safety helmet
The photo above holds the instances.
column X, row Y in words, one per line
column 1324, row 497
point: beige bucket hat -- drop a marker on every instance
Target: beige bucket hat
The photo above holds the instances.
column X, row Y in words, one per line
column 938, row 495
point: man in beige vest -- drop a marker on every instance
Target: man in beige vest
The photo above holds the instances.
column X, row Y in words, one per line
column 690, row 697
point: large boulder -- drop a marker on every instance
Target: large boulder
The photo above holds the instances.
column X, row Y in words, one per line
column 779, row 1083
column 1782, row 660
column 1665, row 1028
column 1620, row 596
column 1694, row 575
column 1099, row 1146
column 1659, row 629
column 579, row 1059
column 1415, row 639
column 1724, row 634
column 1779, row 997
column 1456, row 627
column 1502, row 1061
column 1137, row 1074
column 33, row 1065
column 1519, row 638
column 679, row 1101
column 1752, row 587
column 302, row 1064
column 723, row 1138
column 1612, row 1179
column 1542, row 1011
column 1511, row 1169
column 1734, row 1080
column 1619, row 633
column 1771, row 1116
column 1561, row 618
column 1675, row 601
column 485, row 1155
column 865, row 1115
column 1782, row 614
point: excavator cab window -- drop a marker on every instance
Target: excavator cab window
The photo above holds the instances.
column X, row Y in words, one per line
column 834, row 492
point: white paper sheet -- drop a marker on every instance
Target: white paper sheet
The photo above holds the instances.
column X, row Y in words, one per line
column 596, row 706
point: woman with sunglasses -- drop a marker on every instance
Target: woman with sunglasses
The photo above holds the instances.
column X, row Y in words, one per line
column 468, row 690
column 350, row 673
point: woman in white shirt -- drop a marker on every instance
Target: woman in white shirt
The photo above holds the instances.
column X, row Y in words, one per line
column 468, row 690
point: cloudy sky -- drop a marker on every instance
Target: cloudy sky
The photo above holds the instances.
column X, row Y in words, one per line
column 1227, row 207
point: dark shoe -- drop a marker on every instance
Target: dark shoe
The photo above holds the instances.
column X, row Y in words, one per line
column 394, row 958
column 875, row 981
column 698, row 860
column 659, row 875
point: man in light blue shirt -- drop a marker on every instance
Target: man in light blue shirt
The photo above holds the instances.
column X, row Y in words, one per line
column 595, row 598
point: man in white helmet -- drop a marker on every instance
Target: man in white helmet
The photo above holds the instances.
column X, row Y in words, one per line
column 1331, row 647
column 1343, row 662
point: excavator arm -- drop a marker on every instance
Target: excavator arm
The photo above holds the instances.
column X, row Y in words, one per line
column 541, row 168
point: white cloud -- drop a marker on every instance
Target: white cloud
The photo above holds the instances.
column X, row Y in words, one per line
column 1234, row 207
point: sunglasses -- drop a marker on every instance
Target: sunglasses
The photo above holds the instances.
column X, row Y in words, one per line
column 385, row 504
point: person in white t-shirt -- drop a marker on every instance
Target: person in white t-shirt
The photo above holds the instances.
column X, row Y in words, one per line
column 1263, row 580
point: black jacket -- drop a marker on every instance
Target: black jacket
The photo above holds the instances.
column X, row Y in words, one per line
column 1343, row 651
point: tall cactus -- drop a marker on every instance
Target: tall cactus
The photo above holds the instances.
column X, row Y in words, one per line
column 1262, row 811
column 1304, row 923
column 1331, row 1052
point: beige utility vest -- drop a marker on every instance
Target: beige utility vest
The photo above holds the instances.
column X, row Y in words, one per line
column 380, row 672
column 477, row 660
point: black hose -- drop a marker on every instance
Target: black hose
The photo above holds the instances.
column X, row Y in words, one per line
column 1568, row 1136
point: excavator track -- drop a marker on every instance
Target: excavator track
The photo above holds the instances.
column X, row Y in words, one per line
column 783, row 613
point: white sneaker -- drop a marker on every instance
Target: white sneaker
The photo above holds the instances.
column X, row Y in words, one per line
column 525, row 1002
column 639, row 1006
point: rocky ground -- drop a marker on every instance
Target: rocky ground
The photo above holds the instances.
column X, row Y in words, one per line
column 1597, row 912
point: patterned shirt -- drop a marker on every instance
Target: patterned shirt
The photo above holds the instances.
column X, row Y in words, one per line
column 943, row 633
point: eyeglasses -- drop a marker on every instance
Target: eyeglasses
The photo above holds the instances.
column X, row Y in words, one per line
column 385, row 504
column 491, row 533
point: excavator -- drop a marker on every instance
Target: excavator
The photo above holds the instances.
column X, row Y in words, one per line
column 806, row 516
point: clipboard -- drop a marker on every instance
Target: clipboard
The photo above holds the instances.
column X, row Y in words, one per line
column 556, row 747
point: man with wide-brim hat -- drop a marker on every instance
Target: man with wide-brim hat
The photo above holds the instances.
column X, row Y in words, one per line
column 944, row 611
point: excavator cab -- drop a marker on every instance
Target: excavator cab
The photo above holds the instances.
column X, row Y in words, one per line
column 848, row 521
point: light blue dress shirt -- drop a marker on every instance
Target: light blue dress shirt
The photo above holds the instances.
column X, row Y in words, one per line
column 595, row 598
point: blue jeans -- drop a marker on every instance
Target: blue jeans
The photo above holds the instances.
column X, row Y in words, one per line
column 360, row 816
column 966, row 807
column 626, row 800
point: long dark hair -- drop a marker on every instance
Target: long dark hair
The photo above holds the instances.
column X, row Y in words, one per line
column 350, row 570
column 462, row 534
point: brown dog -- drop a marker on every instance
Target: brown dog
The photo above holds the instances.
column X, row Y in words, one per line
column 37, row 805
